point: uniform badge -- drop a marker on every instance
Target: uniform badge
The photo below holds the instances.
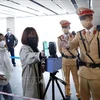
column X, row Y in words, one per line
column 8, row 40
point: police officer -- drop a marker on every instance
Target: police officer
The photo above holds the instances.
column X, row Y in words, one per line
column 68, row 59
column 11, row 41
column 88, row 41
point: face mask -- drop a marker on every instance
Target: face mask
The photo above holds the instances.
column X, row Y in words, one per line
column 8, row 32
column 65, row 30
column 2, row 43
column 33, row 43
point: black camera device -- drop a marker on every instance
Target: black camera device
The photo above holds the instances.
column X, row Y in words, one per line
column 52, row 62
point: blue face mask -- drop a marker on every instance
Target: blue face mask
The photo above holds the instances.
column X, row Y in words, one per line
column 8, row 32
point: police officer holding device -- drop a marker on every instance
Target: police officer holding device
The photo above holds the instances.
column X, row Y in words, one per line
column 88, row 40
column 68, row 59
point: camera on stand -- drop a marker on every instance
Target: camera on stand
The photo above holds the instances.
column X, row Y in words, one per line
column 52, row 64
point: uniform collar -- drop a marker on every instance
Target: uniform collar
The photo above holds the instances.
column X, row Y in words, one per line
column 9, row 33
column 90, row 30
column 65, row 35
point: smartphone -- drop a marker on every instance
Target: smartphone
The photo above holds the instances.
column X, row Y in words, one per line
column 45, row 48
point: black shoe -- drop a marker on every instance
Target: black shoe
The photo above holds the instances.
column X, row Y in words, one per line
column 79, row 99
column 14, row 65
column 67, row 97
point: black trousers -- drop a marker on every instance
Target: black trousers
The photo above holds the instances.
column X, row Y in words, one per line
column 7, row 89
column 12, row 53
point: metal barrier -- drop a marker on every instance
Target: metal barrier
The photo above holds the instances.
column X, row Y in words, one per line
column 14, row 57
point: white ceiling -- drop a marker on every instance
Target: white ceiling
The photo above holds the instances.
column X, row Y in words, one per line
column 25, row 8
column 31, row 8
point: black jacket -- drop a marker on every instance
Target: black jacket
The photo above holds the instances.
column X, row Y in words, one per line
column 11, row 40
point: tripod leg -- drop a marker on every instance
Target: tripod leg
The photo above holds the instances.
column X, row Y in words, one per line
column 46, row 88
column 60, row 90
column 53, row 90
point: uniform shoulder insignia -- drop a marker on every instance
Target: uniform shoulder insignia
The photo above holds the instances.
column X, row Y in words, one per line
column 61, row 37
column 70, row 35
column 82, row 31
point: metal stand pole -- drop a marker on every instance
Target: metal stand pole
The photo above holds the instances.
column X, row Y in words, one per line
column 54, row 78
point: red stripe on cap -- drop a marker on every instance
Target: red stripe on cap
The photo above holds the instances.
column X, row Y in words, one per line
column 85, row 12
column 65, row 24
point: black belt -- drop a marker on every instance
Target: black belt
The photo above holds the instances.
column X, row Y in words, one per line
column 69, row 57
column 89, row 65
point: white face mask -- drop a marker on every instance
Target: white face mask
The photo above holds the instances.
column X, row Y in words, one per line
column 65, row 30
column 2, row 43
